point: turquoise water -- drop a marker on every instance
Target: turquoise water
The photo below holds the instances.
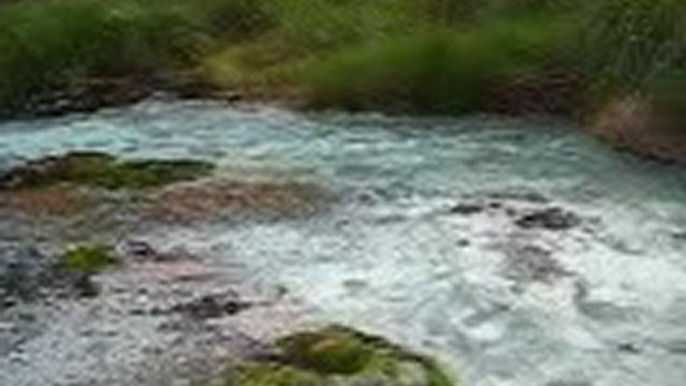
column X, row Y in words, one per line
column 391, row 258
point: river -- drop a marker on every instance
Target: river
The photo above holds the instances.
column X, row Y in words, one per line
column 391, row 257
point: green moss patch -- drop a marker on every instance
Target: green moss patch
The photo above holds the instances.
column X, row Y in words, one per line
column 101, row 170
column 87, row 259
column 339, row 355
column 331, row 351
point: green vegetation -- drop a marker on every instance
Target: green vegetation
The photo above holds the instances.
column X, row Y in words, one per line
column 86, row 259
column 335, row 353
column 101, row 170
column 425, row 56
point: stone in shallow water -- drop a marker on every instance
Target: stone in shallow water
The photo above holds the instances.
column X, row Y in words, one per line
column 466, row 209
column 337, row 355
column 239, row 198
column 213, row 306
column 553, row 219
column 532, row 263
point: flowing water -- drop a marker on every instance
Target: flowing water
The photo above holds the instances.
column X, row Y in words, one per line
column 600, row 304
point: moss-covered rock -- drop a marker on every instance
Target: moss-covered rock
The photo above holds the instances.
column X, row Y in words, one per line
column 100, row 170
column 337, row 355
column 86, row 259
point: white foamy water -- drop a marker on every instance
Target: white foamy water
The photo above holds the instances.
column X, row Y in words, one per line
column 390, row 257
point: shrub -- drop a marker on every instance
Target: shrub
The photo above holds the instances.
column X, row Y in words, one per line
column 630, row 44
column 50, row 44
column 438, row 71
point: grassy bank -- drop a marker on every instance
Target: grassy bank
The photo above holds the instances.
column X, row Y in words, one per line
column 435, row 56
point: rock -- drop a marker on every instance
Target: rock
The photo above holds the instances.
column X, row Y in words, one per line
column 23, row 271
column 463, row 243
column 273, row 199
column 142, row 251
column 82, row 285
column 212, row 306
column 82, row 96
column 338, row 356
column 466, row 209
column 643, row 125
column 629, row 348
column 553, row 219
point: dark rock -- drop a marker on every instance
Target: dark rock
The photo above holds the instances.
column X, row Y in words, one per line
column 495, row 205
column 28, row 275
column 23, row 271
column 463, row 243
column 629, row 348
column 83, row 96
column 212, row 306
column 81, row 284
column 466, row 209
column 553, row 219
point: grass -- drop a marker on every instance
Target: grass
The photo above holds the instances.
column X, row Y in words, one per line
column 441, row 71
column 424, row 56
column 86, row 259
column 52, row 44
column 101, row 170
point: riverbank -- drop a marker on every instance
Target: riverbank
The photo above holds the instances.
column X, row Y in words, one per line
column 428, row 57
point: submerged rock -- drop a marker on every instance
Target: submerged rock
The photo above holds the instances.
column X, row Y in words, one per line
column 212, row 306
column 528, row 263
column 466, row 209
column 267, row 198
column 337, row 355
column 53, row 201
column 553, row 219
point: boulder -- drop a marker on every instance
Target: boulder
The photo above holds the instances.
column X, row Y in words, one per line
column 337, row 355
column 552, row 219
column 639, row 124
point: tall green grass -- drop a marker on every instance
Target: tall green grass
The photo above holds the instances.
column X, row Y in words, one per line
column 50, row 44
column 630, row 46
column 437, row 71
column 447, row 56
